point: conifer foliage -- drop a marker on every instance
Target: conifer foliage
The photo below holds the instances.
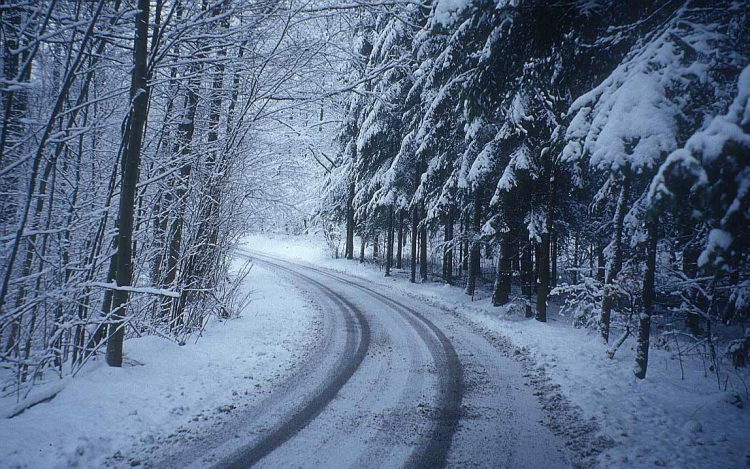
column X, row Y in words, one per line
column 542, row 144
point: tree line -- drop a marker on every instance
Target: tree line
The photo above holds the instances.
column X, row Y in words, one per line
column 599, row 151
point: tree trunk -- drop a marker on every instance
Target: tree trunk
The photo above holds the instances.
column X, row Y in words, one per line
column 501, row 294
column 543, row 284
column 544, row 253
column 413, row 253
column 202, row 257
column 376, row 246
column 613, row 268
column 349, row 249
column 389, row 243
column 423, row 251
column 415, row 224
column 575, row 261
column 536, row 265
column 400, row 245
column 553, row 276
column 474, row 263
column 448, row 250
column 182, row 147
column 130, row 167
column 527, row 275
column 644, row 322
column 419, row 246
column 362, row 247
column 465, row 247
column 14, row 101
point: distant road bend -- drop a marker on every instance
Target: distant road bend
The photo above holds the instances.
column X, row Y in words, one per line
column 393, row 383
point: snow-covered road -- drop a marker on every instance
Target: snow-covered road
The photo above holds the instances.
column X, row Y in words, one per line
column 392, row 383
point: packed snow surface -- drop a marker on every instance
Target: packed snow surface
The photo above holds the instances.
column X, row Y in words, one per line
column 662, row 421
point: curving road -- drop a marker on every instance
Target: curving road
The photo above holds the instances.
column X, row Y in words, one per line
column 392, row 383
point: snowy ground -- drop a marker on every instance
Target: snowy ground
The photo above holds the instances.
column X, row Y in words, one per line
column 110, row 416
column 663, row 421
column 167, row 395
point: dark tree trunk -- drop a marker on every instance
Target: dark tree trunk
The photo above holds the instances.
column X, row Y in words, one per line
column 376, row 247
column 544, row 254
column 527, row 269
column 14, row 101
column 543, row 284
column 400, row 244
column 349, row 248
column 419, row 247
column 10, row 72
column 644, row 322
column 536, row 265
column 389, row 243
column 501, row 294
column 465, row 247
column 553, row 276
column 575, row 261
column 415, row 225
column 613, row 268
column 474, row 262
column 527, row 275
column 130, row 167
column 448, row 250
column 423, row 250
column 362, row 247
column 183, row 147
column 461, row 255
column 413, row 253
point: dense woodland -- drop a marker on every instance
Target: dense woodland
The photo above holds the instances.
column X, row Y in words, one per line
column 595, row 152
column 592, row 151
column 138, row 144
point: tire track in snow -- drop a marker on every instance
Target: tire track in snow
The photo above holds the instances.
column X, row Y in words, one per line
column 297, row 420
column 434, row 451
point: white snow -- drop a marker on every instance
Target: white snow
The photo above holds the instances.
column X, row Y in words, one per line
column 718, row 240
column 447, row 11
column 633, row 116
column 662, row 421
column 162, row 386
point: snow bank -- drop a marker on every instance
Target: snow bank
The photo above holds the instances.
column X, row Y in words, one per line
column 662, row 421
column 122, row 411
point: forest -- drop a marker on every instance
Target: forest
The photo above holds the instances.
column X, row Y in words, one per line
column 126, row 170
column 587, row 154
column 595, row 152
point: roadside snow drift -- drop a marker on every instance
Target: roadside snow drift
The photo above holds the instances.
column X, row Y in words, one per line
column 118, row 413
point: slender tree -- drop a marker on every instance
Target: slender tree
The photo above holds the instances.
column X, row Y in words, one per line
column 139, row 90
